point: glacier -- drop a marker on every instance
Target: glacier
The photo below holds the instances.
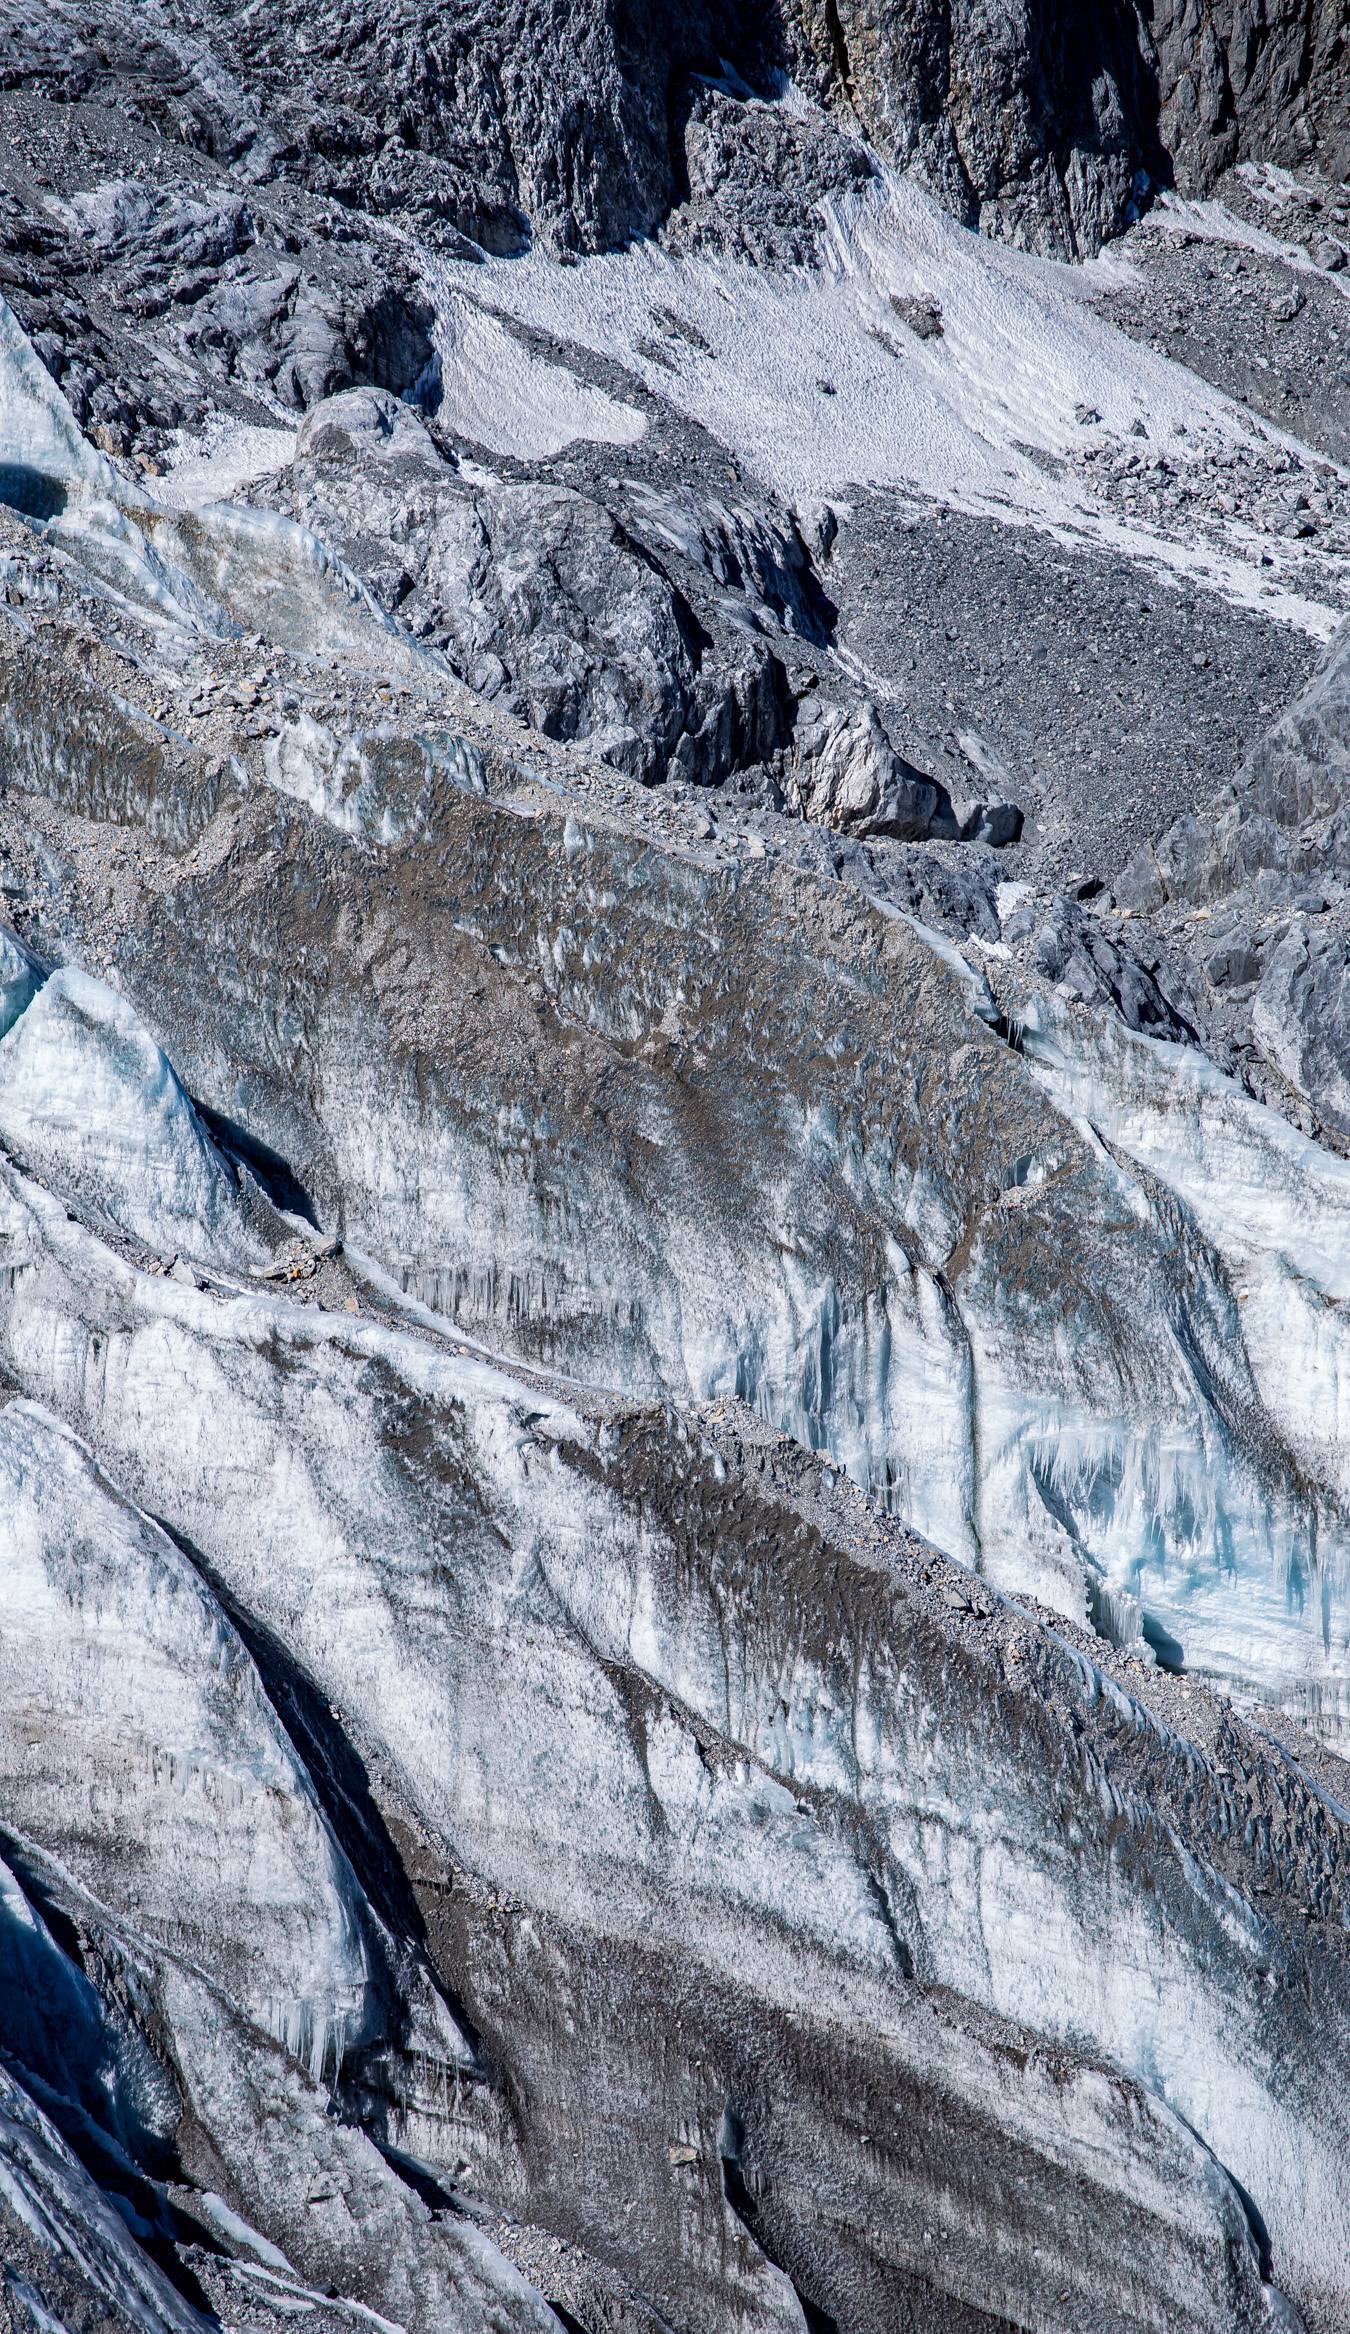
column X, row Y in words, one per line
column 674, row 1570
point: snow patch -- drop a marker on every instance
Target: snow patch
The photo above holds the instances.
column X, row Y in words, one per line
column 496, row 392
column 222, row 461
column 813, row 379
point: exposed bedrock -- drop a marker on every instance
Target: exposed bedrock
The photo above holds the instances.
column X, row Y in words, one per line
column 1044, row 122
column 1047, row 122
column 544, row 600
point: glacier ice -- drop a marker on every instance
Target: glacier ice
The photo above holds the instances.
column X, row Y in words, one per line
column 138, row 1742
column 491, row 1669
column 88, row 1100
column 616, row 1709
column 21, row 976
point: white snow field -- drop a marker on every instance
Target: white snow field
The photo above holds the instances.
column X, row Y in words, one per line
column 811, row 381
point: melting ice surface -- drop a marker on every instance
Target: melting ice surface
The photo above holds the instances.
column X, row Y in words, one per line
column 88, row 1099
column 1242, row 1567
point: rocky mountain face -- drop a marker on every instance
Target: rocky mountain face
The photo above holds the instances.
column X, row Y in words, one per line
column 674, row 1168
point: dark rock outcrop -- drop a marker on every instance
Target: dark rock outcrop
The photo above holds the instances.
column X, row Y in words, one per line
column 1263, row 878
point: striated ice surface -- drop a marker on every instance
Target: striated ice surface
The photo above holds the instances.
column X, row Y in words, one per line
column 484, row 1666
column 136, row 1738
column 88, row 1100
column 54, row 2215
column 44, row 454
column 458, row 1751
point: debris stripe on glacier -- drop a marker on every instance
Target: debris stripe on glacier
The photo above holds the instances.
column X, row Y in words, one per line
column 953, row 417
column 925, row 1399
column 930, row 1343
column 991, row 1950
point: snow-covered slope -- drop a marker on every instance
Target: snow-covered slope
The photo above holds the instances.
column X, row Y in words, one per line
column 916, row 356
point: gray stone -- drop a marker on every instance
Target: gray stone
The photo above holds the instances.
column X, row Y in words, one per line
column 846, row 774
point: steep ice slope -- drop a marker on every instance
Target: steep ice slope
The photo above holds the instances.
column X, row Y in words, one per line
column 152, row 2127
column 69, row 2238
column 138, row 1742
column 88, row 1099
column 941, row 1277
column 21, row 976
column 647, row 1837
column 815, row 1774
column 938, row 1275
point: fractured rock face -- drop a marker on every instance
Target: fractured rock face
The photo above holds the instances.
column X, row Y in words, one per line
column 1048, row 124
column 1268, row 869
column 848, row 775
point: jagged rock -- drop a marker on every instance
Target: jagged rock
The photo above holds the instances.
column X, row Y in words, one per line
column 756, row 177
column 1237, row 86
column 1048, row 125
column 1032, row 124
column 1300, row 1017
column 1281, row 828
column 848, row 775
column 1035, row 124
column 1071, row 949
column 745, row 544
column 544, row 602
column 186, row 290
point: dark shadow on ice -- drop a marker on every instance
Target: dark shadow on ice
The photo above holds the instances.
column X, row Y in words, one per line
column 31, row 492
column 268, row 1169
column 339, row 1776
column 1167, row 1650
